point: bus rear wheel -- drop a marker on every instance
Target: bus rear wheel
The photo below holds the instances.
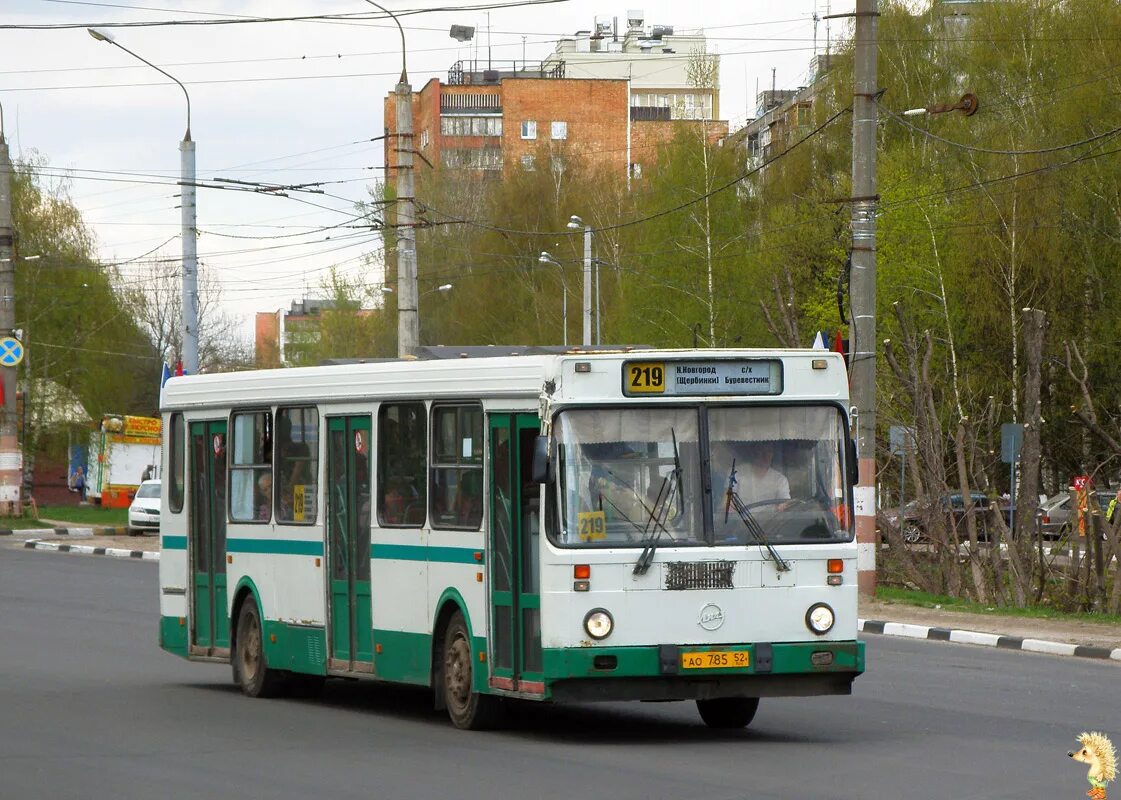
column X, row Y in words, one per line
column 251, row 671
column 728, row 712
column 468, row 709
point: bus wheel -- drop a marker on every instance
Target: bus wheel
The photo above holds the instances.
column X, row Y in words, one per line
column 467, row 708
column 728, row 712
column 251, row 672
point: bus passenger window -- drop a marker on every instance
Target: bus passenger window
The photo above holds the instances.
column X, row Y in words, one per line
column 176, row 450
column 251, row 467
column 457, row 466
column 402, row 464
column 297, row 464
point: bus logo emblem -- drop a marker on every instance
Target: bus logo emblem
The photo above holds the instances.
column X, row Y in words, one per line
column 712, row 617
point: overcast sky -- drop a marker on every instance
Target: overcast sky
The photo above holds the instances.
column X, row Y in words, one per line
column 292, row 102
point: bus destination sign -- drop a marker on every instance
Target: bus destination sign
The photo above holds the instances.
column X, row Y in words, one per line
column 691, row 378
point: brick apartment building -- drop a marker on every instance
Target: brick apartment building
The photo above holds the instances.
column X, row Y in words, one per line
column 507, row 116
column 285, row 337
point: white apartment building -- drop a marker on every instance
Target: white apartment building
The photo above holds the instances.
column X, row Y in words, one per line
column 655, row 59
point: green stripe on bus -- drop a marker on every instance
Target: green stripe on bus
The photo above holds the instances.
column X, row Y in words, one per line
column 294, row 547
column 174, row 542
column 419, row 552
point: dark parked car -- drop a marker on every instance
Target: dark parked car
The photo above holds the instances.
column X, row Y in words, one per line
column 917, row 514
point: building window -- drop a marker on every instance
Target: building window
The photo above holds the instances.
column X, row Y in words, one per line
column 251, row 468
column 636, row 170
column 529, row 129
column 470, row 126
column 424, row 138
column 527, row 163
column 560, row 130
column 457, row 467
column 471, row 157
column 176, row 451
column 402, row 463
column 297, row 465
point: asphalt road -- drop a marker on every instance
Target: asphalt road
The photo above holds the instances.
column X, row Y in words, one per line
column 91, row 708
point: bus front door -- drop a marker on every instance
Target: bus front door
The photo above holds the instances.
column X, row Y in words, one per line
column 512, row 560
column 210, row 622
column 348, row 543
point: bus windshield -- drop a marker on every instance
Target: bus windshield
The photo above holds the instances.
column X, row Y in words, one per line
column 617, row 488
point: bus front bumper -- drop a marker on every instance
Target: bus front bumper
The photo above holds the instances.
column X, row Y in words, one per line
column 673, row 672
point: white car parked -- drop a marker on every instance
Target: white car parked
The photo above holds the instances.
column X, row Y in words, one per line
column 144, row 513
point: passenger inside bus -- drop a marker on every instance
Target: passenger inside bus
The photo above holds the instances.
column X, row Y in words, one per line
column 263, row 500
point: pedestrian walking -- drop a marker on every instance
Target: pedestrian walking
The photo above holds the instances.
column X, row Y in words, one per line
column 80, row 483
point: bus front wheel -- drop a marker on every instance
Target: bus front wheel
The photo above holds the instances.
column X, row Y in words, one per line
column 467, row 708
column 728, row 712
column 251, row 672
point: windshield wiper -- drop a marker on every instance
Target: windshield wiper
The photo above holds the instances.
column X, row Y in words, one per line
column 667, row 493
column 732, row 500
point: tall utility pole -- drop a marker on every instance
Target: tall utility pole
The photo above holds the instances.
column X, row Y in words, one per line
column 190, row 232
column 862, row 376
column 408, row 320
column 11, row 467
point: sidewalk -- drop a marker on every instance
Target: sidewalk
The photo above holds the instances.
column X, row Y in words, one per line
column 877, row 617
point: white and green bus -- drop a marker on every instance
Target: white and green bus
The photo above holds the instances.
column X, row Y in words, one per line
column 573, row 526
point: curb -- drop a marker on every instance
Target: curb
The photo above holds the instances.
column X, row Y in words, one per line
column 909, row 631
column 99, row 531
column 85, row 549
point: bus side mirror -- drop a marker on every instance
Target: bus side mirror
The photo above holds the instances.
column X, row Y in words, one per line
column 853, row 463
column 542, row 464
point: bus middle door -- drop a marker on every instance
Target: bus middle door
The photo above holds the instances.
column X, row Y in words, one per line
column 512, row 561
column 210, row 622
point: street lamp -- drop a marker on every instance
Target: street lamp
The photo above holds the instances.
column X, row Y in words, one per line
column 188, row 217
column 575, row 223
column 545, row 258
column 408, row 321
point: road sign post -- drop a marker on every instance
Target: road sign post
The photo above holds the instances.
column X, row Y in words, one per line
column 1011, row 442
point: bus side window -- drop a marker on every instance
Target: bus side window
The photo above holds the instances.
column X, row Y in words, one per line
column 175, row 470
column 297, row 465
column 251, row 467
column 457, row 466
column 402, row 464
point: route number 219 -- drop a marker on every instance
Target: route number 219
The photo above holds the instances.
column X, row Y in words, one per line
column 646, row 378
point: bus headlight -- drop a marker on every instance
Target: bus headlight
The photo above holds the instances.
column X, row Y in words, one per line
column 598, row 623
column 820, row 619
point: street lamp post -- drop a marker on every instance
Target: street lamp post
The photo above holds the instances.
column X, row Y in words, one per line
column 408, row 321
column 188, row 216
column 545, row 258
column 575, row 223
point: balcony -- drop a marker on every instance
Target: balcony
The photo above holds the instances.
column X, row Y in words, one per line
column 650, row 114
column 472, row 72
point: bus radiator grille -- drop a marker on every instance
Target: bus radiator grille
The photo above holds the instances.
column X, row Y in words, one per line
column 699, row 574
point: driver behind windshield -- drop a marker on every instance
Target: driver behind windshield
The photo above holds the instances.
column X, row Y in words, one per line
column 757, row 481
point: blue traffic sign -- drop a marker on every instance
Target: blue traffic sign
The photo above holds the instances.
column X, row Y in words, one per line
column 11, row 351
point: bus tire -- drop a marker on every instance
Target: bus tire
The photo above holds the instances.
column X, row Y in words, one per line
column 251, row 671
column 728, row 712
column 468, row 709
